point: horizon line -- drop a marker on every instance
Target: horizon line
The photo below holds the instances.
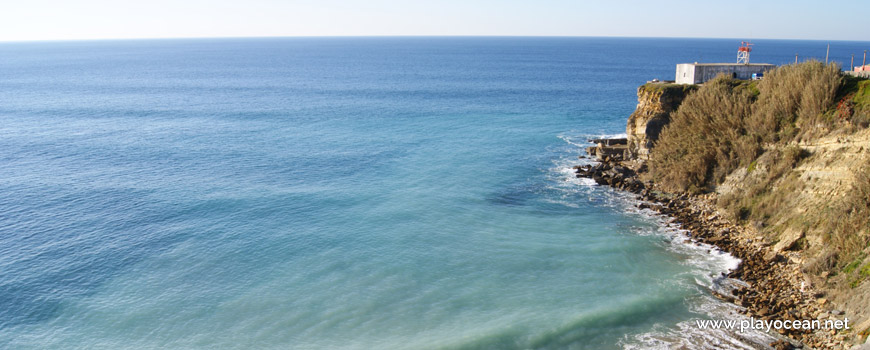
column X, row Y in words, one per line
column 406, row 36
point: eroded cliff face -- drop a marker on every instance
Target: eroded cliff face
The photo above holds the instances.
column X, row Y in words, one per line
column 805, row 212
column 804, row 200
column 655, row 103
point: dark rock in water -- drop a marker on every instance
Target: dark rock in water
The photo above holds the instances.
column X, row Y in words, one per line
column 609, row 142
column 608, row 150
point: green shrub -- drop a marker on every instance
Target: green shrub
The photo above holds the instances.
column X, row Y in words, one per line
column 727, row 124
column 860, row 88
column 724, row 124
column 705, row 139
column 792, row 100
column 850, row 231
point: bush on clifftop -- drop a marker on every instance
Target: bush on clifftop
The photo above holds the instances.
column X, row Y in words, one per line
column 706, row 138
column 725, row 124
column 793, row 100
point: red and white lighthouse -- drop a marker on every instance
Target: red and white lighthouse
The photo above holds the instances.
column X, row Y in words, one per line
column 743, row 52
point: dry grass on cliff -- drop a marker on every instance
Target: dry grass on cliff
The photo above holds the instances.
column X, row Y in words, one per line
column 725, row 123
column 846, row 224
column 706, row 138
column 729, row 124
column 854, row 102
column 793, row 100
column 767, row 186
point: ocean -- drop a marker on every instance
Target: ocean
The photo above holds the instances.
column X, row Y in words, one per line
column 341, row 193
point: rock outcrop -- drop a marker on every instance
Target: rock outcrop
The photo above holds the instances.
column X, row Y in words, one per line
column 805, row 197
column 775, row 288
column 655, row 103
column 608, row 149
column 778, row 214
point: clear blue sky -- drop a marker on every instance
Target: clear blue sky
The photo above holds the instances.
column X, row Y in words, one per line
column 102, row 19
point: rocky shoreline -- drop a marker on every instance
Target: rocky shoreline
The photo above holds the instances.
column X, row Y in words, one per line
column 776, row 287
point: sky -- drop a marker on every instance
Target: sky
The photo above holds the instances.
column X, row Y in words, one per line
column 25, row 20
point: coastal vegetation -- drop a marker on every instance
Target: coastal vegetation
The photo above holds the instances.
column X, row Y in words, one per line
column 706, row 138
column 786, row 155
column 726, row 123
column 776, row 172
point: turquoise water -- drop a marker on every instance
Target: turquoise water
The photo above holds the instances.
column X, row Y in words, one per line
column 334, row 193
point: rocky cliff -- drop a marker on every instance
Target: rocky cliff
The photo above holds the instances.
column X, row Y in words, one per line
column 809, row 214
column 788, row 168
column 655, row 103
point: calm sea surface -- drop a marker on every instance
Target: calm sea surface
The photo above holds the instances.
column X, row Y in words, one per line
column 339, row 193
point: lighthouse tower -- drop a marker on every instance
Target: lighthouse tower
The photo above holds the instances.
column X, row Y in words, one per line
column 743, row 52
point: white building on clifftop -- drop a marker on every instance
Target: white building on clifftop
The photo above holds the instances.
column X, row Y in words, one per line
column 698, row 73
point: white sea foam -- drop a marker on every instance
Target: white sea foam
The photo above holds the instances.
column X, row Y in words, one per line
column 710, row 264
column 569, row 177
column 611, row 136
column 562, row 174
column 582, row 140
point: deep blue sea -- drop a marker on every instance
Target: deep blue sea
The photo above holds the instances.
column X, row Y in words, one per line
column 340, row 193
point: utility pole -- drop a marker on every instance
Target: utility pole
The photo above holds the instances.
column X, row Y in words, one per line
column 827, row 53
column 795, row 57
column 852, row 64
column 864, row 63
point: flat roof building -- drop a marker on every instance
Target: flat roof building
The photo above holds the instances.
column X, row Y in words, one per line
column 699, row 73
